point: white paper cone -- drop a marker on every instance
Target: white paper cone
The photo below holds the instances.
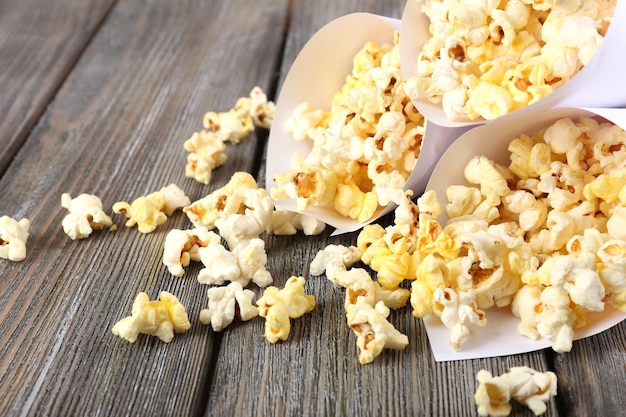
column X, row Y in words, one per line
column 599, row 84
column 500, row 337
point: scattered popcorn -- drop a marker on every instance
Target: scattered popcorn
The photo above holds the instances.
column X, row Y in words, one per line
column 246, row 262
column 289, row 222
column 222, row 202
column 148, row 212
column 206, row 152
column 493, row 58
column 13, row 237
column 181, row 247
column 374, row 332
column 522, row 384
column 221, row 310
column 364, row 147
column 334, row 258
column 161, row 318
column 207, row 147
column 85, row 215
column 279, row 306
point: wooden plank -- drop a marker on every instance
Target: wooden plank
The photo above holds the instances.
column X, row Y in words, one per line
column 40, row 42
column 116, row 129
column 591, row 375
column 316, row 371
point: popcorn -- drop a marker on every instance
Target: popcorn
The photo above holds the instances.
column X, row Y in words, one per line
column 207, row 147
column 221, row 310
column 85, row 215
column 490, row 59
column 161, row 318
column 457, row 312
column 359, row 284
column 207, row 152
column 334, row 258
column 364, row 148
column 246, row 262
column 289, row 222
column 530, row 235
column 279, row 306
column 148, row 212
column 181, row 247
column 523, row 384
column 374, row 332
column 222, row 202
column 13, row 237
column 257, row 207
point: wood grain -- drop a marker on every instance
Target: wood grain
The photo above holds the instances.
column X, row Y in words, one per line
column 40, row 42
column 115, row 129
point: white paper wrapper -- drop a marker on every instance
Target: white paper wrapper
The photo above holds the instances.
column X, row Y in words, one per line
column 318, row 72
column 598, row 84
column 500, row 337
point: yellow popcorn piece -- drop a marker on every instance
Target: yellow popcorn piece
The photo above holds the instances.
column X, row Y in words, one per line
column 85, row 215
column 612, row 271
column 522, row 384
column 262, row 110
column 148, row 212
column 207, row 152
column 359, row 284
column 161, row 318
column 527, row 305
column 221, row 310
column 491, row 178
column 351, row 202
column 309, row 186
column 279, row 306
column 231, row 126
column 222, row 202
column 181, row 247
column 13, row 237
column 608, row 187
column 432, row 274
column 374, row 332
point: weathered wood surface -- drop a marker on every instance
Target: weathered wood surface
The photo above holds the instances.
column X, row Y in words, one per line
column 98, row 97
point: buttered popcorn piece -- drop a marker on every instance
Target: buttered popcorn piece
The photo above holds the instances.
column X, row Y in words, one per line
column 181, row 247
column 279, row 306
column 221, row 310
column 13, row 237
column 207, row 151
column 522, row 384
column 246, row 262
column 373, row 330
column 148, row 212
column 221, row 202
column 85, row 215
column 161, row 318
column 364, row 147
column 493, row 58
column 289, row 222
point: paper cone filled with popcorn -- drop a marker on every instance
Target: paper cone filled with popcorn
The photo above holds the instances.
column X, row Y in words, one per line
column 346, row 141
column 464, row 64
column 534, row 226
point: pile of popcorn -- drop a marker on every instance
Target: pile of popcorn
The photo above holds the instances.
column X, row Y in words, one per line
column 486, row 59
column 207, row 148
column 543, row 235
column 364, row 148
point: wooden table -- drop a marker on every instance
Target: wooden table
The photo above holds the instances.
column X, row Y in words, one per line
column 98, row 97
